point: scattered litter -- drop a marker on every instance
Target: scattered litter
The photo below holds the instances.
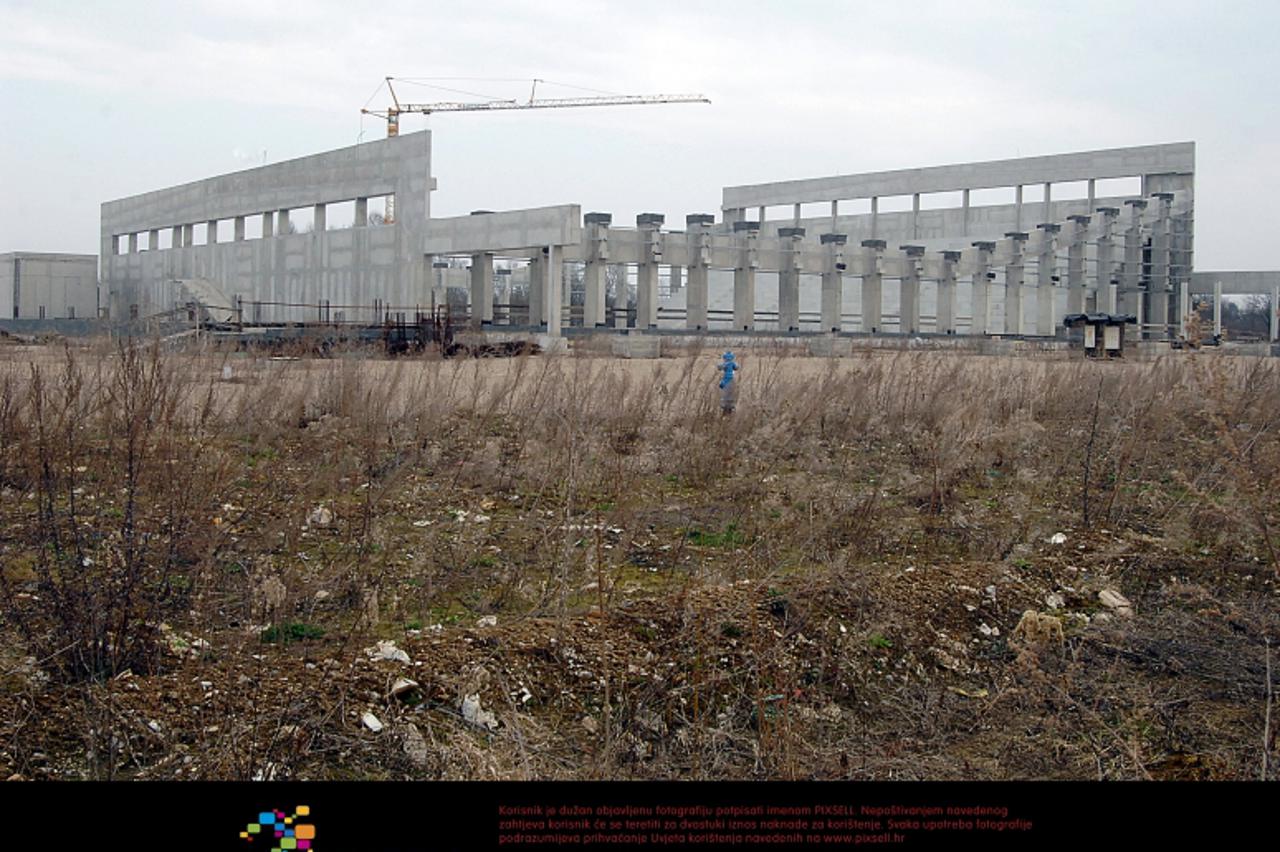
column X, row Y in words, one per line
column 1058, row 538
column 387, row 650
column 986, row 630
column 968, row 693
column 403, row 688
column 487, row 621
column 475, row 714
column 1053, row 600
column 371, row 722
column 420, row 524
column 1114, row 600
column 320, row 516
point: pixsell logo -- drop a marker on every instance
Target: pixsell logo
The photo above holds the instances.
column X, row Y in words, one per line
column 283, row 831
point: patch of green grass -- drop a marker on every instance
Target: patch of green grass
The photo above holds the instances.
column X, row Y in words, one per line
column 877, row 640
column 731, row 537
column 413, row 624
column 291, row 631
column 1022, row 563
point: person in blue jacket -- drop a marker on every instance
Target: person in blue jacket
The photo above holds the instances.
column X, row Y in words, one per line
column 728, row 369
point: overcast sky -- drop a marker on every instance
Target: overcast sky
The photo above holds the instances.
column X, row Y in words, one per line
column 102, row 100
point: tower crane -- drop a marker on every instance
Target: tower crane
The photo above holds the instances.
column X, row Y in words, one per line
column 392, row 113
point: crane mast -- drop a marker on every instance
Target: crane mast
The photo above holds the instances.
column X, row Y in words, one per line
column 392, row 113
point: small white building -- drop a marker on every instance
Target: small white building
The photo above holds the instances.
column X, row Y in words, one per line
column 35, row 285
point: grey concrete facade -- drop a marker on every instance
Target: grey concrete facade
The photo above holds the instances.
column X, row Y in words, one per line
column 356, row 268
column 38, row 285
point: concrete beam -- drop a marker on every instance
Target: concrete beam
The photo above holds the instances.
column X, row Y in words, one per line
column 509, row 230
column 1177, row 158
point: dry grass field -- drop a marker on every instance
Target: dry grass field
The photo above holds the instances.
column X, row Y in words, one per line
column 897, row 565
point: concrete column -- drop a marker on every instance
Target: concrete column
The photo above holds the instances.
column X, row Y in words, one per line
column 1275, row 314
column 537, row 290
column 1184, row 306
column 1105, row 268
column 981, row 305
column 833, row 281
column 915, row 216
column 759, row 215
column 734, row 214
column 964, row 206
column 1093, row 192
column 675, row 279
column 1048, row 202
column 502, row 296
column 1046, row 278
column 268, row 224
column 835, row 214
column 744, row 277
column 1217, row 309
column 909, row 290
column 872, row 286
column 621, row 294
column 795, row 218
column 553, row 279
column 875, row 216
column 481, row 290
column 238, row 227
column 188, row 235
column 945, row 321
column 594, row 314
column 153, row 239
column 362, row 213
column 697, row 297
column 1158, row 288
column 282, row 222
column 1013, row 280
column 789, row 279
column 320, row 219
column 1017, row 208
column 1131, row 277
column 647, row 272
column 175, row 238
column 1075, row 264
column 133, row 243
column 211, row 232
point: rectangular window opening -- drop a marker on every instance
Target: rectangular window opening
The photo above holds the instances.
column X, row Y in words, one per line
column 341, row 214
column 1072, row 190
column 1118, row 187
column 814, row 210
column 302, row 220
column 896, row 204
column 992, row 196
column 941, row 200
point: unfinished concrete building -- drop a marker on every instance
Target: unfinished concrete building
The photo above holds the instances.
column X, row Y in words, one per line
column 42, row 285
column 917, row 251
column 239, row 232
